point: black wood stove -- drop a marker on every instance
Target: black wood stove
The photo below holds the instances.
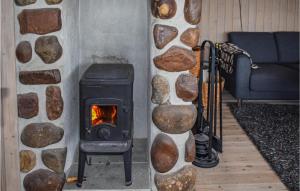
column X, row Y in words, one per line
column 106, row 114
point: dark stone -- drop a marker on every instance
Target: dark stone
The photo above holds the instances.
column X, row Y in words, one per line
column 54, row 102
column 163, row 34
column 40, row 77
column 164, row 153
column 190, row 37
column 48, row 49
column 192, row 11
column 38, row 135
column 164, row 9
column 43, row 180
column 174, row 119
column 190, row 148
column 182, row 180
column 187, row 87
column 24, row 2
column 28, row 105
column 160, row 90
column 175, row 59
column 27, row 160
column 24, row 52
column 53, row 2
column 55, row 159
column 40, row 21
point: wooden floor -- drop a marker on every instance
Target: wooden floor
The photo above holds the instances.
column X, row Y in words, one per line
column 241, row 167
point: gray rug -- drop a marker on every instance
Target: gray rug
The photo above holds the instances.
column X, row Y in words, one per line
column 274, row 129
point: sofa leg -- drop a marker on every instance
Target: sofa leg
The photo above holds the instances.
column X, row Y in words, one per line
column 239, row 102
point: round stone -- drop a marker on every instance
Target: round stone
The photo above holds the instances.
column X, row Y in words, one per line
column 160, row 90
column 190, row 148
column 192, row 11
column 174, row 119
column 43, row 180
column 48, row 48
column 38, row 135
column 27, row 160
column 164, row 153
column 176, row 59
column 187, row 87
column 163, row 34
column 190, row 37
column 24, row 52
column 164, row 9
column 55, row 159
column 182, row 180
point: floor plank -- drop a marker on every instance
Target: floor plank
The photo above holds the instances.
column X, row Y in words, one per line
column 241, row 168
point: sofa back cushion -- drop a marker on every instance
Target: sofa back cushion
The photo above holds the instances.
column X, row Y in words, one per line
column 288, row 47
column 260, row 45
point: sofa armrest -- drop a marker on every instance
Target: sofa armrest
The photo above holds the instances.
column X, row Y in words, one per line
column 238, row 82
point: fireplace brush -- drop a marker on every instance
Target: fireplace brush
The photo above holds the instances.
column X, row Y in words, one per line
column 208, row 139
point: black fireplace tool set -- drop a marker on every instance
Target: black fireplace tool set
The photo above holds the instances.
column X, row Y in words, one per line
column 208, row 136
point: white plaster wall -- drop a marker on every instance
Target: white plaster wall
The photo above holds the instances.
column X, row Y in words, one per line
column 68, row 65
column 179, row 22
column 118, row 28
column 70, row 77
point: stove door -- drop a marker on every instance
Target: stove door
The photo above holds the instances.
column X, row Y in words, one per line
column 103, row 120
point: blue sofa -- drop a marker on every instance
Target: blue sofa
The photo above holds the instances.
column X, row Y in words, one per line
column 277, row 57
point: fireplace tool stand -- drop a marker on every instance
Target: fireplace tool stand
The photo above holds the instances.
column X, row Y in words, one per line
column 208, row 139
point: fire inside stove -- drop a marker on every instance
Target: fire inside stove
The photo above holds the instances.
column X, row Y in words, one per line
column 103, row 115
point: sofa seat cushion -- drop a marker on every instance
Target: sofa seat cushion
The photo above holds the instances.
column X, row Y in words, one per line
column 260, row 45
column 274, row 77
column 292, row 66
column 288, row 46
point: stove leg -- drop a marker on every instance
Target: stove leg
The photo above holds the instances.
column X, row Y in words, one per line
column 81, row 165
column 127, row 156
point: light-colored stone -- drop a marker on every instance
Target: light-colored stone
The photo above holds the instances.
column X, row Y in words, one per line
column 48, row 49
column 164, row 9
column 53, row 2
column 190, row 37
column 160, row 90
column 27, row 160
column 182, row 180
column 192, row 11
column 24, row 2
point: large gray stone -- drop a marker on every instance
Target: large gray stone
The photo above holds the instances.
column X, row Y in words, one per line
column 174, row 119
column 43, row 180
column 55, row 159
column 48, row 49
column 160, row 90
column 182, row 180
column 38, row 135
column 164, row 153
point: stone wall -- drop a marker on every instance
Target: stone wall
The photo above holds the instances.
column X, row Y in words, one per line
column 47, row 70
column 173, row 34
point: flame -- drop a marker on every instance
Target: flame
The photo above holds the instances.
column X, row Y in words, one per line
column 103, row 114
